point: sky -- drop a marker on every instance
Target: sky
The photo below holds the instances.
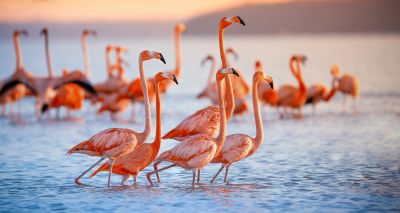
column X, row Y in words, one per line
column 112, row 10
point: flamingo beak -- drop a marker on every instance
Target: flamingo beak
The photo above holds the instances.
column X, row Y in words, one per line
column 45, row 107
column 235, row 72
column 162, row 58
column 175, row 80
column 241, row 21
column 271, row 84
column 44, row 31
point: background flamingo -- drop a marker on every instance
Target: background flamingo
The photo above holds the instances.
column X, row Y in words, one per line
column 290, row 96
column 266, row 94
column 206, row 120
column 195, row 152
column 319, row 92
column 347, row 85
column 240, row 146
column 142, row 156
column 116, row 142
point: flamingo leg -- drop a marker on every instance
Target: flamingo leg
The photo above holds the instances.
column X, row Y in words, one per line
column 155, row 166
column 134, row 179
column 110, row 172
column 124, row 179
column 198, row 176
column 344, row 103
column 148, row 175
column 194, row 177
column 354, row 105
column 86, row 171
column 58, row 113
column 226, row 172
column 216, row 175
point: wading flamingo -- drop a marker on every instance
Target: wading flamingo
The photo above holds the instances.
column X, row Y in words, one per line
column 206, row 120
column 319, row 92
column 289, row 95
column 116, row 142
column 240, row 146
column 142, row 156
column 18, row 92
column 266, row 94
column 204, row 93
column 347, row 85
column 196, row 152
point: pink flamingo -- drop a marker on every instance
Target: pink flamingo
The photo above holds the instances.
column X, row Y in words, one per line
column 196, row 152
column 142, row 156
column 240, row 146
column 114, row 143
column 206, row 120
column 347, row 85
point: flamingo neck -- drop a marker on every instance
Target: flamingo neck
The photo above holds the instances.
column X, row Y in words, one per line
column 257, row 116
column 85, row 55
column 147, row 129
column 157, row 140
column 17, row 52
column 331, row 93
column 108, row 64
column 299, row 77
column 221, row 48
column 177, row 54
column 222, row 122
column 49, row 65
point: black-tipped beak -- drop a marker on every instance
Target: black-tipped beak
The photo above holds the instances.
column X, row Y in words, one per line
column 162, row 58
column 175, row 80
column 44, row 31
column 241, row 21
column 235, row 72
column 45, row 107
column 271, row 84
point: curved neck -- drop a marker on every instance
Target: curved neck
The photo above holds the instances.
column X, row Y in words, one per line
column 257, row 116
column 49, row 66
column 220, row 140
column 157, row 140
column 177, row 54
column 221, row 48
column 108, row 64
column 85, row 55
column 17, row 51
column 331, row 93
column 147, row 129
column 297, row 73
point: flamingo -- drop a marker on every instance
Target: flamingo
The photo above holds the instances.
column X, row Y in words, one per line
column 19, row 91
column 197, row 151
column 206, row 120
column 142, row 156
column 266, row 94
column 347, row 85
column 319, row 92
column 290, row 96
column 240, row 146
column 205, row 92
column 114, row 143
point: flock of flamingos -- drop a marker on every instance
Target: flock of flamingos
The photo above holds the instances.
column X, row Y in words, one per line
column 202, row 135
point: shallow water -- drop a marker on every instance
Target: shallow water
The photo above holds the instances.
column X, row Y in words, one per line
column 328, row 161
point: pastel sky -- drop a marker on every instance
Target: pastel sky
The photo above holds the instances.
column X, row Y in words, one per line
column 112, row 10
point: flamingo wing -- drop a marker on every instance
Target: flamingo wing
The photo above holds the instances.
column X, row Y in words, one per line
column 236, row 147
column 205, row 121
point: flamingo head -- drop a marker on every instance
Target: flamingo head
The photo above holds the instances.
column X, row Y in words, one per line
column 87, row 32
column 259, row 65
column 207, row 58
column 180, row 28
column 44, row 31
column 227, row 21
column 147, row 55
column 232, row 51
column 20, row 32
column 121, row 49
column 260, row 76
column 161, row 76
column 335, row 71
column 223, row 72
column 109, row 48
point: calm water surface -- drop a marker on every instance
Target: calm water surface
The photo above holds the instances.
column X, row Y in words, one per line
column 328, row 161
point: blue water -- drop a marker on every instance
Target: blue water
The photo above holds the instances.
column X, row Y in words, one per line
column 328, row 161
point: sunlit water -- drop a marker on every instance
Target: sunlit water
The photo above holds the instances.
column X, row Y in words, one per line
column 328, row 161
